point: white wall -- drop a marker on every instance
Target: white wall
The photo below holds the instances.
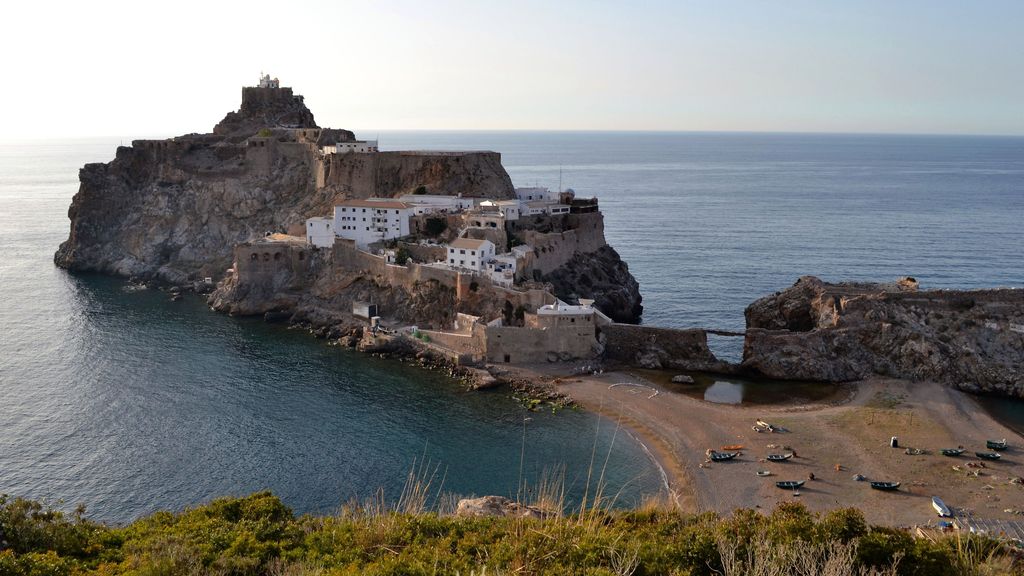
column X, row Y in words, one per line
column 320, row 232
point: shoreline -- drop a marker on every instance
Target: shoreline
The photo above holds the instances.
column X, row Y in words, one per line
column 677, row 429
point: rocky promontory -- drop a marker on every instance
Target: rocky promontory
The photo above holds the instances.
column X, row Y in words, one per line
column 969, row 339
column 173, row 210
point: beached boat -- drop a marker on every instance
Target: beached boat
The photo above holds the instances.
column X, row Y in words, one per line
column 764, row 472
column 722, row 456
column 988, row 455
column 778, row 457
column 885, row 485
column 732, row 447
column 790, row 484
column 953, row 451
column 940, row 507
column 996, row 444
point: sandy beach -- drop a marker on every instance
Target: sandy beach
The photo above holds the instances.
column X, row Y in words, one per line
column 835, row 441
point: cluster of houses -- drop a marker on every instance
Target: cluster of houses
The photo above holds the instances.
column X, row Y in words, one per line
column 371, row 220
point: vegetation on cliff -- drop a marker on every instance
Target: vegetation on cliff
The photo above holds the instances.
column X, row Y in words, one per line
column 257, row 534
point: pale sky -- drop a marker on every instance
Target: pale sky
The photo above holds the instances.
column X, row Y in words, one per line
column 79, row 69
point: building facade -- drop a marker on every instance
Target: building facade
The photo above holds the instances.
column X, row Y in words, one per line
column 371, row 220
column 355, row 146
column 470, row 254
column 320, row 231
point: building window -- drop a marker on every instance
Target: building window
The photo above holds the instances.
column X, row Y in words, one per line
column 462, row 251
column 451, row 261
column 472, row 252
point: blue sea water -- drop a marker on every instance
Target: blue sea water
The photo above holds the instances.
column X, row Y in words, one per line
column 129, row 403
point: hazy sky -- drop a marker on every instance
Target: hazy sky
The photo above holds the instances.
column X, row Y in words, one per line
column 144, row 68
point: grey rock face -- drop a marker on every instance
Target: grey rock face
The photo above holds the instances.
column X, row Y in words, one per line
column 973, row 340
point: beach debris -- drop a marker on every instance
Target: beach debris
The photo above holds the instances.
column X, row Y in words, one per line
column 810, row 476
column 976, row 465
column 1013, row 511
column 1017, row 480
column 703, row 464
column 859, row 477
column 839, row 467
column 771, row 445
column 914, row 452
column 988, row 487
column 732, row 447
column 957, row 468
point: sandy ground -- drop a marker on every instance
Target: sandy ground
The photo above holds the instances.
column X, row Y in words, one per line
column 853, row 434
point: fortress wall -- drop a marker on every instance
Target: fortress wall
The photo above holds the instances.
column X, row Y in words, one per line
column 344, row 254
column 264, row 263
column 650, row 347
column 552, row 250
column 462, row 344
column 528, row 346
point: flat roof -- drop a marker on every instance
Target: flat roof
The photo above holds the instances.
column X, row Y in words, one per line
column 374, row 203
column 467, row 243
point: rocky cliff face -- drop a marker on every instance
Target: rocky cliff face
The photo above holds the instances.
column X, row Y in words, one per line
column 173, row 209
column 603, row 276
column 973, row 340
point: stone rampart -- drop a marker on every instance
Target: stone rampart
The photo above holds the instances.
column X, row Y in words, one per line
column 509, row 344
column 554, row 249
column 650, row 347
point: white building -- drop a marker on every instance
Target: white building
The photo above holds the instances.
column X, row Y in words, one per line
column 469, row 253
column 536, row 193
column 320, row 231
column 354, row 146
column 509, row 208
column 538, row 207
column 502, row 269
column 371, row 220
column 430, row 203
column 267, row 82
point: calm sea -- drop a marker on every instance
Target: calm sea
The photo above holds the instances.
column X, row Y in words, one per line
column 129, row 403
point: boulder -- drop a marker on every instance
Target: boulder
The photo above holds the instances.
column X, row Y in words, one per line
column 682, row 379
column 497, row 506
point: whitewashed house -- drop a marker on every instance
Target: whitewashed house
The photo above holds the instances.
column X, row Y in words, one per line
column 320, row 231
column 470, row 254
column 354, row 146
column 536, row 193
column 508, row 208
column 431, row 203
column 502, row 269
column 371, row 220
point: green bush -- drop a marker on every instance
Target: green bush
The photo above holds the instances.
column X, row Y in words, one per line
column 258, row 534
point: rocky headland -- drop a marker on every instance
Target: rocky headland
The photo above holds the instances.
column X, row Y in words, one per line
column 172, row 211
column 969, row 339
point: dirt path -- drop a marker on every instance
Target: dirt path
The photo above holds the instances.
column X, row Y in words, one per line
column 854, row 435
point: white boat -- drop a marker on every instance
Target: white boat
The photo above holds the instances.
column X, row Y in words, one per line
column 941, row 507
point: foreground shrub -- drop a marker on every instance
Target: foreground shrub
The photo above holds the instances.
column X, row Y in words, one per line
column 258, row 534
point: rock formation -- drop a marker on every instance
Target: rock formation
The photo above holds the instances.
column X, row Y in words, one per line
column 604, row 275
column 173, row 209
column 973, row 340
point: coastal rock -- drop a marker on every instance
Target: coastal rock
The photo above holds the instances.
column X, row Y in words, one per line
column 661, row 348
column 972, row 340
column 497, row 506
column 603, row 276
column 682, row 379
column 172, row 210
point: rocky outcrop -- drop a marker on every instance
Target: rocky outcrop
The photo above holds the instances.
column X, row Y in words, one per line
column 603, row 276
column 973, row 340
column 471, row 174
column 173, row 209
column 265, row 108
column 497, row 506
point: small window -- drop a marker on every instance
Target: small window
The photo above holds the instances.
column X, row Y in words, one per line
column 462, row 251
column 254, row 257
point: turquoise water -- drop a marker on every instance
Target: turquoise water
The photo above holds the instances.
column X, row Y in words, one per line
column 128, row 402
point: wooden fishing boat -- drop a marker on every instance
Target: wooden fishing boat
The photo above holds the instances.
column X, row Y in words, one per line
column 885, row 485
column 988, row 455
column 778, row 457
column 996, row 444
column 732, row 447
column 764, row 472
column 790, row 484
column 953, row 452
column 940, row 507
column 722, row 456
